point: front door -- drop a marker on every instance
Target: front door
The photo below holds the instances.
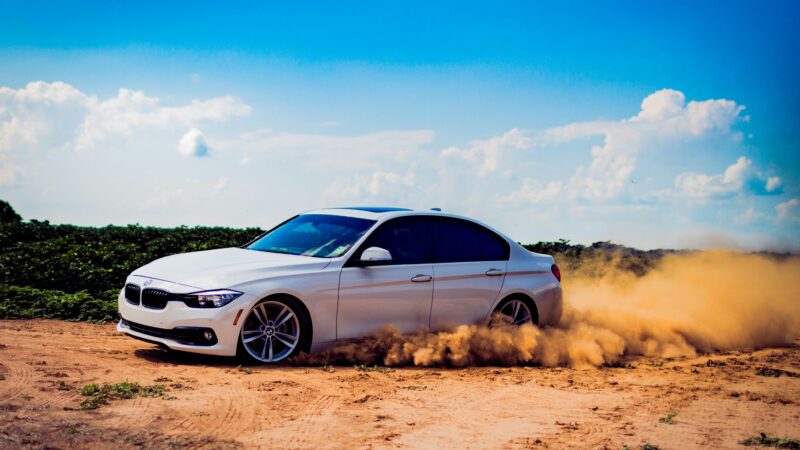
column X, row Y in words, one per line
column 398, row 292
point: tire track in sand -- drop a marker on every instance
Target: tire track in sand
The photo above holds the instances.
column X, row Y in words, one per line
column 308, row 426
column 231, row 412
column 313, row 421
column 18, row 376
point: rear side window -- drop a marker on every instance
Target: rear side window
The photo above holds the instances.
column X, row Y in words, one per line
column 457, row 240
column 405, row 238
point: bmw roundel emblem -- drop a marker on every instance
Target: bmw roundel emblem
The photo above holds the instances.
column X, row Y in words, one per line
column 147, row 282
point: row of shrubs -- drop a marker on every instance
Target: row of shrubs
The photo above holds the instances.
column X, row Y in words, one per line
column 96, row 260
column 22, row 302
column 74, row 273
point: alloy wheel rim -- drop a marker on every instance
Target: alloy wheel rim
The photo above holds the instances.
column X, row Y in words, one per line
column 270, row 332
column 517, row 311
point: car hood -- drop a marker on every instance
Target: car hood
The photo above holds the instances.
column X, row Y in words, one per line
column 226, row 267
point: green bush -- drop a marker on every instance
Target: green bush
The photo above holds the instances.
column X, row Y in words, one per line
column 18, row 302
column 75, row 273
column 96, row 260
column 7, row 213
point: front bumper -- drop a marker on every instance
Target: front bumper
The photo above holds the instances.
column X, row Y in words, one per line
column 199, row 336
column 180, row 327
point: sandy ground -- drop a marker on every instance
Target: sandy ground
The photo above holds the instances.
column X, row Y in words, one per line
column 213, row 403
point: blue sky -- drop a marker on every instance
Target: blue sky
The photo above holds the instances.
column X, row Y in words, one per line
column 663, row 124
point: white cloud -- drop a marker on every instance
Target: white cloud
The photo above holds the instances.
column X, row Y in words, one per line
column 130, row 110
column 773, row 184
column 193, row 143
column 668, row 109
column 42, row 92
column 485, row 154
column 786, row 210
column 28, row 118
column 664, row 116
column 42, row 116
column 739, row 177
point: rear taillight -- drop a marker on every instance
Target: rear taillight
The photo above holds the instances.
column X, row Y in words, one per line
column 556, row 272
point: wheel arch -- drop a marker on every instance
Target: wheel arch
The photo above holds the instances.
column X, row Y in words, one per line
column 524, row 297
column 278, row 295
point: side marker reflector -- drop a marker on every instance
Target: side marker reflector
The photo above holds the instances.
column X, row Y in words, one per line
column 236, row 320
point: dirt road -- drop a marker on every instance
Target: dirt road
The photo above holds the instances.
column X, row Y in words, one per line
column 212, row 403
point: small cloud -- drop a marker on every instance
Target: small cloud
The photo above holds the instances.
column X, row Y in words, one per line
column 662, row 104
column 331, row 123
column 193, row 143
column 739, row 177
column 773, row 184
column 785, row 210
column 246, row 160
column 195, row 77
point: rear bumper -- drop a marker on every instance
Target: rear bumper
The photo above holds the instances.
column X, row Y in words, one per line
column 550, row 306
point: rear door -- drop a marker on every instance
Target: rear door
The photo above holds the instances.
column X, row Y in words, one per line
column 398, row 293
column 470, row 262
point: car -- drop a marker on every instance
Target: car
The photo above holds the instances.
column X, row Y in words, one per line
column 336, row 275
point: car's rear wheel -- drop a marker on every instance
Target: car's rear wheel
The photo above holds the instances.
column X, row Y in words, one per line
column 273, row 330
column 516, row 311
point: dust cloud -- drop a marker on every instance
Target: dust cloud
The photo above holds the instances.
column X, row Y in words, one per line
column 689, row 303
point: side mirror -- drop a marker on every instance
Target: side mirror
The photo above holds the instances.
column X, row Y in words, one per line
column 376, row 254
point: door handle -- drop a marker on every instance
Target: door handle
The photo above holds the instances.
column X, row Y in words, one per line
column 420, row 278
column 494, row 272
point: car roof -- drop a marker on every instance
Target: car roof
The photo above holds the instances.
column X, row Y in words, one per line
column 375, row 209
column 382, row 213
column 367, row 212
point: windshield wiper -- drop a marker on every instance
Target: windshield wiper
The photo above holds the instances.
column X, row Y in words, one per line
column 272, row 251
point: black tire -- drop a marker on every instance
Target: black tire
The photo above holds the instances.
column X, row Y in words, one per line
column 504, row 306
column 246, row 352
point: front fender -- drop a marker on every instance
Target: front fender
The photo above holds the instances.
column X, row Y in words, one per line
column 318, row 291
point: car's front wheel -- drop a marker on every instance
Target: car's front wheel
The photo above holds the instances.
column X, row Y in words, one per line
column 273, row 330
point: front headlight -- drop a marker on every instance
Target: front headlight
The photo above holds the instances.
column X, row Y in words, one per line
column 211, row 299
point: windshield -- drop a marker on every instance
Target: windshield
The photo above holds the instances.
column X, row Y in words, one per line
column 317, row 235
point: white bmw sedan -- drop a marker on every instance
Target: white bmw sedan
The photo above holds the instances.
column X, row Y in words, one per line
column 333, row 275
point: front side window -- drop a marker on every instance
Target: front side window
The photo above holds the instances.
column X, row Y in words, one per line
column 461, row 241
column 406, row 239
column 320, row 235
